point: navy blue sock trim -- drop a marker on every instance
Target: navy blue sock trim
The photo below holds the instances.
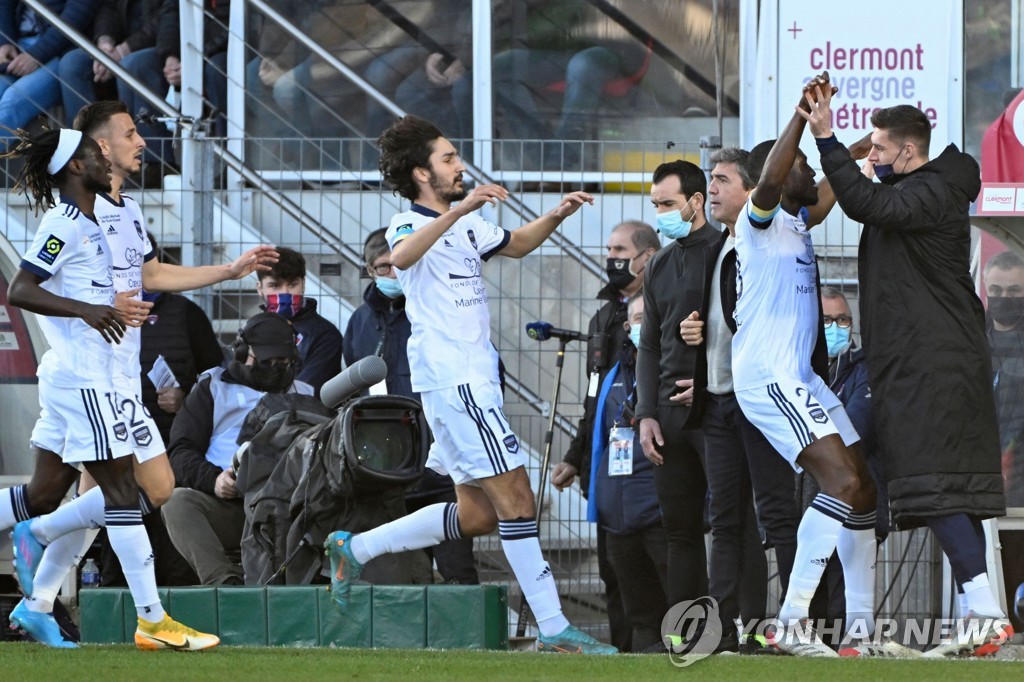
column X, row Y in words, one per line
column 831, row 507
column 518, row 529
column 122, row 516
column 19, row 503
column 452, row 529
column 862, row 521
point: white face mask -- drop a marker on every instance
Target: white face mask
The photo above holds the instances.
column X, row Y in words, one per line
column 634, row 335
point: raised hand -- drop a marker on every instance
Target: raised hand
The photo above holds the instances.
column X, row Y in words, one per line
column 572, row 202
column 256, row 258
column 818, row 109
column 482, row 194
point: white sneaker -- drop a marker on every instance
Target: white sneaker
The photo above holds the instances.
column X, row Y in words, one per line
column 798, row 638
column 974, row 636
column 884, row 649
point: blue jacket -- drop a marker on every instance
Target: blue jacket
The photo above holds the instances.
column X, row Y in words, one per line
column 621, row 504
column 380, row 327
column 51, row 43
column 320, row 345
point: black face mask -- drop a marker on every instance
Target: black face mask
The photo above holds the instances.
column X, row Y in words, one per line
column 618, row 272
column 1006, row 310
column 269, row 378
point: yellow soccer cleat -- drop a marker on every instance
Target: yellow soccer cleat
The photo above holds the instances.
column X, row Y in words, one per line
column 170, row 634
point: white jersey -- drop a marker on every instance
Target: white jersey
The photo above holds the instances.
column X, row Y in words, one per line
column 777, row 299
column 446, row 301
column 122, row 226
column 71, row 256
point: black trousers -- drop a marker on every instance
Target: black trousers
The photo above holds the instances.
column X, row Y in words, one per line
column 640, row 561
column 682, row 489
column 618, row 625
column 742, row 465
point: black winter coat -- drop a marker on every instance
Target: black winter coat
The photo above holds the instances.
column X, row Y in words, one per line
column 924, row 336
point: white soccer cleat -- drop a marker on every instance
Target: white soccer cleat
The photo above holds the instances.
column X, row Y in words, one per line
column 798, row 638
column 884, row 649
column 974, row 636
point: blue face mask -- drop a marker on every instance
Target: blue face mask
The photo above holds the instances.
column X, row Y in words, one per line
column 672, row 225
column 838, row 339
column 634, row 335
column 389, row 286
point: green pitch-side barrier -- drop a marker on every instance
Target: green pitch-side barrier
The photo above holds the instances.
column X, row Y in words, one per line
column 394, row 616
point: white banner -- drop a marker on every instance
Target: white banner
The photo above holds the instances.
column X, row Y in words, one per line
column 879, row 53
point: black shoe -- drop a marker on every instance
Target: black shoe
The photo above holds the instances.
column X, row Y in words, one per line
column 728, row 644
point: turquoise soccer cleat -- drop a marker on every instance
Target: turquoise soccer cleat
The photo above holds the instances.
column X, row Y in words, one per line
column 344, row 567
column 40, row 626
column 28, row 552
column 572, row 641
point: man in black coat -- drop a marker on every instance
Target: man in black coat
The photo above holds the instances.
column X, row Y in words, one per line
column 924, row 338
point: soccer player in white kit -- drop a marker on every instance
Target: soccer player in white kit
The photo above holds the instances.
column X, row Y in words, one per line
column 437, row 250
column 70, row 530
column 66, row 278
column 777, row 319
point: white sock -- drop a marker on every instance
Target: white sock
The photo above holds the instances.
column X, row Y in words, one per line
column 62, row 555
column 85, row 511
column 857, row 550
column 130, row 543
column 963, row 608
column 980, row 599
column 521, row 543
column 816, row 539
column 423, row 528
column 13, row 507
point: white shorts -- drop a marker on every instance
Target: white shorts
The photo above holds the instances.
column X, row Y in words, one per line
column 792, row 414
column 80, row 424
column 472, row 437
column 143, row 433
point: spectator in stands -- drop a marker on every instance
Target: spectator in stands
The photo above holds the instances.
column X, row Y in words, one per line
column 204, row 516
column 622, row 497
column 282, row 289
column 545, row 58
column 120, row 28
column 159, row 69
column 380, row 327
column 1004, row 287
column 30, row 56
column 630, row 246
column 848, row 379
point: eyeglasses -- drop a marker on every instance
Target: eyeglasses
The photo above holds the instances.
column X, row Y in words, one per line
column 844, row 321
column 383, row 269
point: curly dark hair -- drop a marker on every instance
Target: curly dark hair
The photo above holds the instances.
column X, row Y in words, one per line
column 405, row 146
column 37, row 150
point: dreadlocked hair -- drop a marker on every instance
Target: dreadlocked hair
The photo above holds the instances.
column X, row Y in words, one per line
column 36, row 150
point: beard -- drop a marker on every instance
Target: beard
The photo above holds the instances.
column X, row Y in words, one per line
column 447, row 192
column 96, row 185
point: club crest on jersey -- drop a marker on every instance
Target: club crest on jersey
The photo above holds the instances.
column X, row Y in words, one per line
column 472, row 238
column 138, row 229
column 810, row 259
column 511, row 444
column 121, row 432
column 51, row 249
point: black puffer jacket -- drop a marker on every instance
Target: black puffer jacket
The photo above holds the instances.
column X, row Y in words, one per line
column 924, row 336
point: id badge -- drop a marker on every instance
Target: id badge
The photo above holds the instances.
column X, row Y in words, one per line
column 592, row 386
column 620, row 451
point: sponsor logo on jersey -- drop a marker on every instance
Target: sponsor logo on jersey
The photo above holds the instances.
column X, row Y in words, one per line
column 51, row 249
column 473, row 265
column 111, row 230
column 448, row 244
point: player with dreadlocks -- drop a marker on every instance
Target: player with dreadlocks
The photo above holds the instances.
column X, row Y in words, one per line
column 66, row 277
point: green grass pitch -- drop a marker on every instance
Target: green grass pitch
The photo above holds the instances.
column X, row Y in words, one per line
column 21, row 662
